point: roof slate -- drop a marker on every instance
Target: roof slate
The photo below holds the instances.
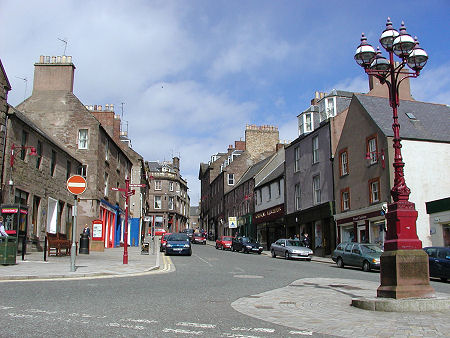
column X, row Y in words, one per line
column 253, row 170
column 432, row 120
column 276, row 173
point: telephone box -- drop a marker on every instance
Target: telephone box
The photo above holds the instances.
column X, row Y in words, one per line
column 15, row 220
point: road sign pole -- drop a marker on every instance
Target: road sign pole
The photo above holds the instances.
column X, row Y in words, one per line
column 125, row 240
column 73, row 251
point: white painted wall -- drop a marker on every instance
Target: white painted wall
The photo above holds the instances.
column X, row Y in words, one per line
column 427, row 174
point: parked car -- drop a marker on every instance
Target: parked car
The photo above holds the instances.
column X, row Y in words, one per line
column 189, row 232
column 159, row 231
column 178, row 243
column 199, row 238
column 439, row 261
column 290, row 248
column 224, row 243
column 364, row 255
column 246, row 245
column 163, row 243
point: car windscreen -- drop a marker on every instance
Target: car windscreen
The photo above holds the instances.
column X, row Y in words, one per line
column 294, row 243
column 370, row 248
column 198, row 235
column 177, row 237
column 248, row 240
column 226, row 238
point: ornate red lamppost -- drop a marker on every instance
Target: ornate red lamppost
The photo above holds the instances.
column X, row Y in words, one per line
column 127, row 194
column 404, row 265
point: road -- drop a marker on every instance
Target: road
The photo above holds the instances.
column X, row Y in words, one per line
column 193, row 300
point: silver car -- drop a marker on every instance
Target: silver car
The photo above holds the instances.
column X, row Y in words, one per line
column 290, row 248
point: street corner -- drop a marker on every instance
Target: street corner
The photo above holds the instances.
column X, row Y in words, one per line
column 323, row 305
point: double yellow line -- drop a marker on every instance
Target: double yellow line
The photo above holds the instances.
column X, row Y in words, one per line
column 167, row 264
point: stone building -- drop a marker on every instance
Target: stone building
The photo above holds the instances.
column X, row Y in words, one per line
column 194, row 218
column 168, row 199
column 260, row 142
column 104, row 163
column 5, row 87
column 37, row 169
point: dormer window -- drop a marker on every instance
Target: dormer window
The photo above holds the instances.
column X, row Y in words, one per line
column 330, row 107
column 305, row 123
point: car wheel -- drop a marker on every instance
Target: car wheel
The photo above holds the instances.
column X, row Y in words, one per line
column 366, row 266
column 259, row 252
column 190, row 253
column 340, row 262
column 217, row 248
column 443, row 279
column 232, row 248
column 308, row 259
column 287, row 255
column 273, row 254
column 161, row 250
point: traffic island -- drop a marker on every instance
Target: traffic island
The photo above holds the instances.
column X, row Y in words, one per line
column 403, row 305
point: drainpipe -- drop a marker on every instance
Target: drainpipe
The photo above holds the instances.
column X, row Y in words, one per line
column 4, row 152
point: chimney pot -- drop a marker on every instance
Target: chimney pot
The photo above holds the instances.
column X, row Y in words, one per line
column 58, row 59
column 41, row 59
column 100, row 108
column 69, row 59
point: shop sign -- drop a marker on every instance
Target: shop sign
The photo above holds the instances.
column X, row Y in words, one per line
column 269, row 212
column 13, row 211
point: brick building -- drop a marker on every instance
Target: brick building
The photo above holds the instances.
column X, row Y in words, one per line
column 104, row 163
column 168, row 199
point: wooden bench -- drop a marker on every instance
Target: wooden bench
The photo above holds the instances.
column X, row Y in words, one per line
column 58, row 242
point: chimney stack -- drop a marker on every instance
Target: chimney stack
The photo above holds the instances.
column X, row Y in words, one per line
column 54, row 73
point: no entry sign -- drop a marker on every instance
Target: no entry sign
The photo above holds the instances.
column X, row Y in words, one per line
column 76, row 184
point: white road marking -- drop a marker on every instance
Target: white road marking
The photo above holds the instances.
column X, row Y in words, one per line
column 126, row 326
column 255, row 329
column 166, row 330
column 198, row 325
column 20, row 315
column 203, row 260
column 301, row 333
column 146, row 321
column 234, row 335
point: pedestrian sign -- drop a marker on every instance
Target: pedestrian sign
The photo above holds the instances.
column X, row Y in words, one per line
column 232, row 222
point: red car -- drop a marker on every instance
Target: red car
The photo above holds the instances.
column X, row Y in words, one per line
column 224, row 243
column 198, row 238
column 162, row 246
column 158, row 231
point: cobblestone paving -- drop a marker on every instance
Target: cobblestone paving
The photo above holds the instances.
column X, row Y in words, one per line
column 322, row 305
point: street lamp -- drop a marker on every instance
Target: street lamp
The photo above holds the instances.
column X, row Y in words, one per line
column 404, row 266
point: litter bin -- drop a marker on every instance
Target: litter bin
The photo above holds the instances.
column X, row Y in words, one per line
column 84, row 244
column 8, row 250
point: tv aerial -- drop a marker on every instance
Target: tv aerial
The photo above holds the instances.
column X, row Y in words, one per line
column 65, row 44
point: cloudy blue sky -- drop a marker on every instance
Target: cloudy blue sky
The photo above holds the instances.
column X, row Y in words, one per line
column 193, row 73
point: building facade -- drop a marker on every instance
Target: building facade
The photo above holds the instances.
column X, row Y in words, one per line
column 168, row 198
column 104, row 163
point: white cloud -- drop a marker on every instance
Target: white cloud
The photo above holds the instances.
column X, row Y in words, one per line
column 433, row 85
column 358, row 84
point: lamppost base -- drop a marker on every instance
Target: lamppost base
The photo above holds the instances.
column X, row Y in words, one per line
column 404, row 274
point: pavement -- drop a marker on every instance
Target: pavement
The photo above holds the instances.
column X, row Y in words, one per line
column 108, row 263
column 308, row 305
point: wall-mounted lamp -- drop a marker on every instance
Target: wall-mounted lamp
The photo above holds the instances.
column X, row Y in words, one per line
column 374, row 157
column 21, row 148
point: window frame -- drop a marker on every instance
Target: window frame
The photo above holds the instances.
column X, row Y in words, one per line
column 230, row 179
column 39, row 154
column 343, row 200
column 315, row 149
column 155, row 206
column 297, row 196
column 297, row 159
column 316, row 190
column 158, row 185
column 84, row 140
column 375, row 181
column 343, row 166
column 372, row 148
column 53, row 163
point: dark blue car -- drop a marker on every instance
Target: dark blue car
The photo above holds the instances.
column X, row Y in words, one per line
column 178, row 244
column 439, row 261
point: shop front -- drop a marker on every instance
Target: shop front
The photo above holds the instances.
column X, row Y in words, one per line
column 270, row 225
column 318, row 223
column 245, row 226
column 367, row 225
column 113, row 220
